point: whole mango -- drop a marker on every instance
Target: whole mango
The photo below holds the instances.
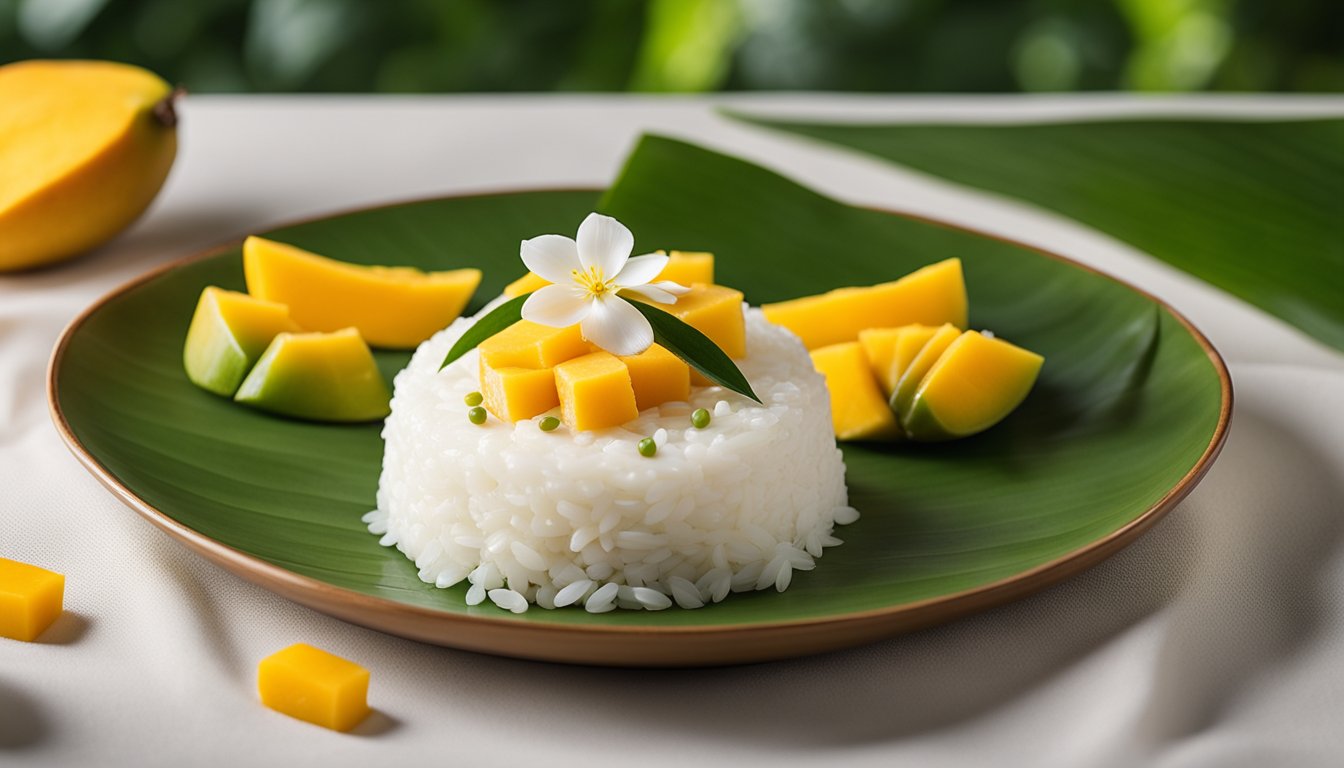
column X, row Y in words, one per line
column 84, row 148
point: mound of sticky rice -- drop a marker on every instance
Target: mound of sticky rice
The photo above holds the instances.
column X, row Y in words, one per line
column 564, row 518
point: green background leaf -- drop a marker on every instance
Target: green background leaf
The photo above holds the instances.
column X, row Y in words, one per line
column 1127, row 404
column 1256, row 208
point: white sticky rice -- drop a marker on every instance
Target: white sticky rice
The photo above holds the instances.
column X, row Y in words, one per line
column 564, row 518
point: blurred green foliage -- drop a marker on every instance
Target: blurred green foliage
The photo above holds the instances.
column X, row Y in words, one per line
column 697, row 45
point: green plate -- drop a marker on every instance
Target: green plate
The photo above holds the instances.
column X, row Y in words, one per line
column 1130, row 410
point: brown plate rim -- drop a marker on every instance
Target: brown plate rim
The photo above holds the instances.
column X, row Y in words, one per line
column 696, row 645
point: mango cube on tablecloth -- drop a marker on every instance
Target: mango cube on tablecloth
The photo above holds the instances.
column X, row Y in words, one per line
column 312, row 685
column 658, row 377
column 595, row 392
column 30, row 599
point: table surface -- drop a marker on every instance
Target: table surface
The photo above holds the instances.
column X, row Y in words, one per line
column 1217, row 639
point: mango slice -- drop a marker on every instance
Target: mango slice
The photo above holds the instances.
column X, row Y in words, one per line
column 312, row 685
column 908, row 384
column 84, row 148
column 859, row 411
column 686, row 268
column 319, row 377
column 228, row 334
column 658, row 377
column 392, row 307
column 716, row 311
column 911, row 341
column 514, row 394
column 31, row 599
column 976, row 382
column 933, row 295
column 595, row 392
column 526, row 344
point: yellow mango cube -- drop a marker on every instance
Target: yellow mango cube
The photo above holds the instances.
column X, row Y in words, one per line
column 858, row 409
column 687, row 268
column 933, row 295
column 514, row 394
column 912, row 340
column 976, row 382
column 228, row 333
column 595, row 392
column 312, row 685
column 906, row 386
column 879, row 345
column 715, row 311
column 31, row 598
column 658, row 377
column 395, row 307
column 531, row 345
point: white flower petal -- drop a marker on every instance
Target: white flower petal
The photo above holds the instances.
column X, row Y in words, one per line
column 616, row 326
column 558, row 306
column 676, row 289
column 553, row 257
column 604, row 243
column 641, row 270
column 652, row 293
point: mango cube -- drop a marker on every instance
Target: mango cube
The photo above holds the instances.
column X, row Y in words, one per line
column 977, row 381
column 879, row 346
column 932, row 295
column 687, row 268
column 858, row 409
column 228, row 333
column 912, row 340
column 904, row 395
column 317, row 376
column 514, row 394
column 312, row 685
column 531, row 345
column 658, row 377
column 30, row 599
column 595, row 392
column 715, row 311
column 396, row 307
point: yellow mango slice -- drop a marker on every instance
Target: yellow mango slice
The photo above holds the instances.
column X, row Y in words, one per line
column 912, row 339
column 879, row 346
column 317, row 376
column 932, row 295
column 31, row 598
column 228, row 333
column 84, row 148
column 514, row 394
column 392, row 307
column 858, row 409
column 715, row 311
column 908, row 384
column 595, row 392
column 977, row 381
column 658, row 377
column 526, row 344
column 312, row 685
column 686, row 268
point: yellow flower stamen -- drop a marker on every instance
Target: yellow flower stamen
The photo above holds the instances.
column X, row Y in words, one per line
column 592, row 281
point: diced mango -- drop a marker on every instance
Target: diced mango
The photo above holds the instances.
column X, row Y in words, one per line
column 228, row 333
column 913, row 338
column 312, row 685
column 687, row 268
column 932, row 295
column 395, row 307
column 31, row 598
column 858, row 409
column 514, row 394
column 879, row 345
column 908, row 384
column 317, row 376
column 530, row 345
column 976, row 382
column 715, row 311
column 658, row 377
column 595, row 392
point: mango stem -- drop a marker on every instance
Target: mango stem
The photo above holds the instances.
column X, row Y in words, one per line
column 166, row 110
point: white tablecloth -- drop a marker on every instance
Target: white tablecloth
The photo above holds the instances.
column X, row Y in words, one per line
column 1216, row 640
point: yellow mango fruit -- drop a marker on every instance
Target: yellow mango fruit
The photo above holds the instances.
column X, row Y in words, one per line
column 228, row 334
column 976, row 382
column 392, row 307
column 715, row 311
column 858, row 409
column 312, row 685
column 595, row 392
column 912, row 339
column 932, row 295
column 908, row 384
column 526, row 344
column 319, row 377
column 658, row 377
column 687, row 268
column 879, row 345
column 514, row 394
column 31, row 599
column 84, row 148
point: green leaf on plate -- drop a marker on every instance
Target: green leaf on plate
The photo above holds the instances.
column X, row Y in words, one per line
column 695, row 349
column 1253, row 207
column 498, row 319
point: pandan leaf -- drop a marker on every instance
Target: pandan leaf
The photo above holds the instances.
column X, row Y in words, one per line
column 498, row 319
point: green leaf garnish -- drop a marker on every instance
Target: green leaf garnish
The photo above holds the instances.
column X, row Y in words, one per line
column 500, row 317
column 696, row 350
